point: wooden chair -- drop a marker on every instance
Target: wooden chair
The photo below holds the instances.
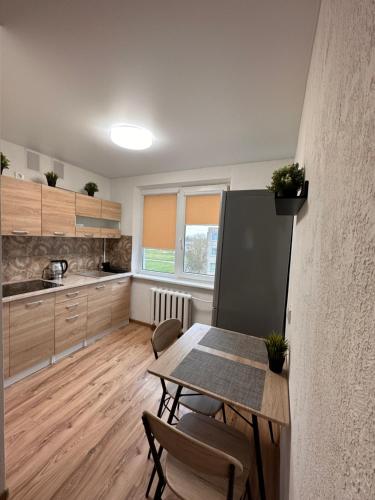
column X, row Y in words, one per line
column 165, row 334
column 206, row 459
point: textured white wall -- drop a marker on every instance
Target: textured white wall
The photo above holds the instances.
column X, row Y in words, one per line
column 74, row 177
column 332, row 288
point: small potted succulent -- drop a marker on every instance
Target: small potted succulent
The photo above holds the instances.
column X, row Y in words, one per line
column 91, row 188
column 277, row 347
column 51, row 178
column 4, row 163
column 290, row 188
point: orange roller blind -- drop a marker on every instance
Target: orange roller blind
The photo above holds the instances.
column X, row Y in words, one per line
column 159, row 221
column 203, row 209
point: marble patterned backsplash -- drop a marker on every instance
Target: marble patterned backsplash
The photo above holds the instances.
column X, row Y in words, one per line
column 119, row 251
column 25, row 257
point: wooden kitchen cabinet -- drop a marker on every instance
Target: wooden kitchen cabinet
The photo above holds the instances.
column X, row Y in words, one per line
column 31, row 331
column 70, row 323
column 120, row 305
column 71, row 293
column 88, row 232
column 88, row 206
column 58, row 212
column 111, row 210
column 110, row 233
column 99, row 308
column 6, row 339
column 21, row 207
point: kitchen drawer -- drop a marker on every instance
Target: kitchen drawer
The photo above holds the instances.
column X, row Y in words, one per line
column 70, row 323
column 119, row 287
column 31, row 338
column 71, row 293
column 88, row 232
column 99, row 308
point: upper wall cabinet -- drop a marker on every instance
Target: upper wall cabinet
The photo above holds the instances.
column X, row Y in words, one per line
column 111, row 210
column 58, row 212
column 21, row 203
column 88, row 206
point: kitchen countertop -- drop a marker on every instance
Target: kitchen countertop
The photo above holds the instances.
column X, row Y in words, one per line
column 70, row 281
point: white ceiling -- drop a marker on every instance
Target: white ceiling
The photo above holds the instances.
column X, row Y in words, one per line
column 216, row 81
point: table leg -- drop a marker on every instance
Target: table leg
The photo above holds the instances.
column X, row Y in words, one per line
column 174, row 405
column 170, row 419
column 258, row 455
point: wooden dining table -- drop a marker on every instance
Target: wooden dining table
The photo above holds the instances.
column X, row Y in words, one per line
column 230, row 367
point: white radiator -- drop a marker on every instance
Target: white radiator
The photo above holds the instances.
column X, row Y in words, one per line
column 167, row 304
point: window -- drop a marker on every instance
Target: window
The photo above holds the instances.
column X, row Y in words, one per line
column 180, row 231
column 159, row 233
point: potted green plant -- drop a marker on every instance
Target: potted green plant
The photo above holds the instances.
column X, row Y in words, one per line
column 91, row 188
column 286, row 183
column 287, row 180
column 4, row 163
column 51, row 178
column 277, row 347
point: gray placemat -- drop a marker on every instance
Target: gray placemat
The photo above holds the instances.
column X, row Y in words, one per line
column 238, row 344
column 232, row 380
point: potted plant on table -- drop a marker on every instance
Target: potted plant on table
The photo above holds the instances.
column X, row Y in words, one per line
column 290, row 188
column 4, row 163
column 91, row 188
column 51, row 178
column 277, row 347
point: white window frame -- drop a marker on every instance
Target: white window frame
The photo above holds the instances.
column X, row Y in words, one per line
column 182, row 193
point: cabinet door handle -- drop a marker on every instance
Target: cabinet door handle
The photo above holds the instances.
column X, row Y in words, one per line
column 36, row 303
column 100, row 286
column 59, row 233
column 19, row 231
column 121, row 282
column 72, row 317
column 72, row 294
column 89, row 235
column 72, row 306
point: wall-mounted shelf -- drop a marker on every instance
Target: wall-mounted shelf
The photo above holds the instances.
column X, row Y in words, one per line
column 291, row 205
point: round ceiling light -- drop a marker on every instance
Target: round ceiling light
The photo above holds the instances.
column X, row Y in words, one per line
column 131, row 136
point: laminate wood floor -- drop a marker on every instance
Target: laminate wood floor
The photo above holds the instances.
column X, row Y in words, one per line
column 74, row 431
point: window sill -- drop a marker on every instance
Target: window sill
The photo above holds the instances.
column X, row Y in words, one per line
column 175, row 281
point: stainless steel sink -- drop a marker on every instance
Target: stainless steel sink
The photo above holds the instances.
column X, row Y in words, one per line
column 95, row 274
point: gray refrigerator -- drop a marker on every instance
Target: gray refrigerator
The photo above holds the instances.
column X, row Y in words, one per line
column 252, row 267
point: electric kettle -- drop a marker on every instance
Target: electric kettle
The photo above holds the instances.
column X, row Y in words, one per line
column 55, row 270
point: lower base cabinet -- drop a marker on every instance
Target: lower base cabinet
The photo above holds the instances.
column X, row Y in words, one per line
column 70, row 323
column 35, row 329
column 6, row 339
column 120, row 304
column 31, row 332
column 99, row 309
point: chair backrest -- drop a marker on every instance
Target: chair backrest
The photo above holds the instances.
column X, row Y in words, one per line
column 188, row 450
column 165, row 334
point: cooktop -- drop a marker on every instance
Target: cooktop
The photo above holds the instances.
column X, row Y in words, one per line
column 26, row 287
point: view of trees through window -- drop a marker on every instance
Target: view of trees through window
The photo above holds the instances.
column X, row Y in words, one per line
column 200, row 249
column 199, row 254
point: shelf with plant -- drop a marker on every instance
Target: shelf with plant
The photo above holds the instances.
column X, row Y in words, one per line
column 290, row 188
